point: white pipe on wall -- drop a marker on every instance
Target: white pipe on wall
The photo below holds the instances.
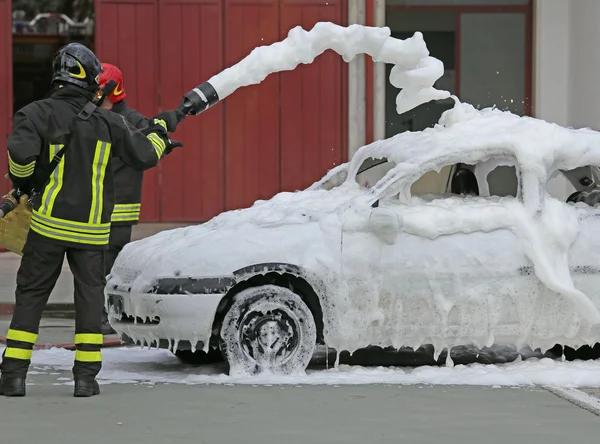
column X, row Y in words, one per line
column 356, row 86
column 379, row 80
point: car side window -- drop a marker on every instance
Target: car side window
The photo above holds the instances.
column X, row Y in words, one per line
column 432, row 182
column 372, row 170
column 450, row 180
column 492, row 178
column 567, row 185
column 502, row 181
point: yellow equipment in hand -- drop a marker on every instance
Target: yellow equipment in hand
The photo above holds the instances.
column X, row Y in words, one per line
column 15, row 225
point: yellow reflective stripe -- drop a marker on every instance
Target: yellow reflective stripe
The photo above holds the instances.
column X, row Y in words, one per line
column 159, row 144
column 126, row 212
column 18, row 353
column 161, row 122
column 69, row 236
column 101, row 157
column 124, row 217
column 127, row 207
column 69, row 225
column 20, row 170
column 86, row 356
column 22, row 336
column 89, row 338
column 55, row 183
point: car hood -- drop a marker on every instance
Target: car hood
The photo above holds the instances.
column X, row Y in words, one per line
column 289, row 228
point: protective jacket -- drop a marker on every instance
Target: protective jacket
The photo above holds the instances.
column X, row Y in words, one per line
column 128, row 181
column 75, row 205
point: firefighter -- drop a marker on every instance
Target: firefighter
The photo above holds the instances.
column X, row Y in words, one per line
column 128, row 181
column 63, row 146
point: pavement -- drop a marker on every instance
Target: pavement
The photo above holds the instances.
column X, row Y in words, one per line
column 143, row 412
column 149, row 414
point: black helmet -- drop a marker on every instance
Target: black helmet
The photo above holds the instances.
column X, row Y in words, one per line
column 76, row 64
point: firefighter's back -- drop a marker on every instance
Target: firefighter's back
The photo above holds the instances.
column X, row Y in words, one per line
column 76, row 203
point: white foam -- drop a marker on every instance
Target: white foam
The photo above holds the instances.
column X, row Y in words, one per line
column 451, row 277
column 130, row 365
column 414, row 71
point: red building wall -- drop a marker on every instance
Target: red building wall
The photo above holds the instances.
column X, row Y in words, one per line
column 281, row 135
column 6, row 104
column 126, row 36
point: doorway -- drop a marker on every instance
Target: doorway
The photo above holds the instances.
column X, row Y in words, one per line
column 486, row 48
column 39, row 29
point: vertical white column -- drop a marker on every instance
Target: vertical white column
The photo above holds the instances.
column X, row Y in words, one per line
column 356, row 86
column 584, row 64
column 379, row 80
column 551, row 60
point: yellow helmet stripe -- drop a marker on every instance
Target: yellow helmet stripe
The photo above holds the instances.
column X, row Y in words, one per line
column 81, row 74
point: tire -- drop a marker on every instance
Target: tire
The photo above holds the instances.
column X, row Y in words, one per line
column 268, row 329
column 199, row 357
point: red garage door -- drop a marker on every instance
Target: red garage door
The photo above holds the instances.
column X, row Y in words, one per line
column 6, row 104
column 126, row 36
column 281, row 135
column 312, row 112
column 251, row 113
column 192, row 178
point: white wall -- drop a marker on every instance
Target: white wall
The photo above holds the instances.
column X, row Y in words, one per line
column 567, row 67
column 584, row 58
column 567, row 62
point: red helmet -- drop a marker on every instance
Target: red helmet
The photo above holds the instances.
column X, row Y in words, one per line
column 111, row 72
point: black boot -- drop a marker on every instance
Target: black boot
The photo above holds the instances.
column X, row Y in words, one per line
column 84, row 388
column 12, row 386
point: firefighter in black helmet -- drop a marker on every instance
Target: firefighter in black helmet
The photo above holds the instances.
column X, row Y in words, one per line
column 60, row 153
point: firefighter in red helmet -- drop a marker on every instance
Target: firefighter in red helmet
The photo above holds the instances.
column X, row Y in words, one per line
column 128, row 182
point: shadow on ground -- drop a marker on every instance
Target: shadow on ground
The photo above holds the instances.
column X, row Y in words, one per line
column 406, row 357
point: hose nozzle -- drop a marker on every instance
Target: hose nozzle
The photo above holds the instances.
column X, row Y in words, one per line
column 8, row 203
column 199, row 99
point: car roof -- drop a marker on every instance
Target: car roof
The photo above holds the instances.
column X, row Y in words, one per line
column 470, row 136
column 467, row 135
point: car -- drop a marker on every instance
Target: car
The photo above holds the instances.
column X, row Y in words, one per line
column 446, row 236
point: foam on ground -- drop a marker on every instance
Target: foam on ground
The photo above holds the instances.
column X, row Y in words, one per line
column 131, row 365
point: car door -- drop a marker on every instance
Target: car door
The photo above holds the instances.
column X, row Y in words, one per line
column 438, row 269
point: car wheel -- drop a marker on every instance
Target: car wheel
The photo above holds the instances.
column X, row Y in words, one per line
column 268, row 329
column 199, row 357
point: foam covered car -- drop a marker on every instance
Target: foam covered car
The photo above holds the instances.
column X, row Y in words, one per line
column 455, row 240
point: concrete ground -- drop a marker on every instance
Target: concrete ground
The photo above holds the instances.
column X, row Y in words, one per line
column 128, row 413
column 141, row 412
column 63, row 292
column 156, row 413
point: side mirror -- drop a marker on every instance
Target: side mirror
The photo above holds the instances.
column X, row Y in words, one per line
column 385, row 224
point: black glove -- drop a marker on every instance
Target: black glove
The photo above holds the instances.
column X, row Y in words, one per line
column 171, row 118
column 171, row 146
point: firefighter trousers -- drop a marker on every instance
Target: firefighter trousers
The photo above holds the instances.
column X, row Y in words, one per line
column 120, row 235
column 39, row 270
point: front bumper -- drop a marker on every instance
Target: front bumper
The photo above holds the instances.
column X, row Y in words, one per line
column 177, row 321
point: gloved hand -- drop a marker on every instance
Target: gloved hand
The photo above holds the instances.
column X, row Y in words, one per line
column 171, row 146
column 171, row 118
